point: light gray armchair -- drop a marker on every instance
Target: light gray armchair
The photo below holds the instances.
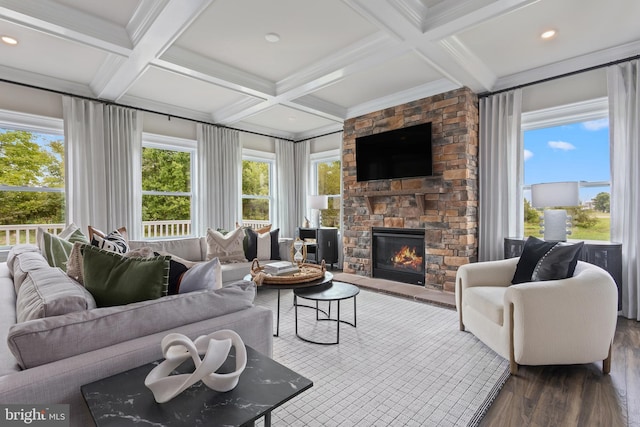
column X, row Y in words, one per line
column 553, row 322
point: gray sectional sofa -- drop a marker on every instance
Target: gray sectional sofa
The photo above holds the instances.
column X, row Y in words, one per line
column 46, row 360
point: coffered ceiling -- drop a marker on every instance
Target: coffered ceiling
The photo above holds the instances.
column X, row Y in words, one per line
column 209, row 60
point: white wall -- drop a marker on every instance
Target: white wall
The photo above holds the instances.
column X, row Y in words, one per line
column 326, row 143
column 27, row 100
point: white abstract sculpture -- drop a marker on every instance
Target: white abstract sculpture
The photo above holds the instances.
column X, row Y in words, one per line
column 177, row 348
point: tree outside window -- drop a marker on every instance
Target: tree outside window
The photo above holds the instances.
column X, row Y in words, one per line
column 328, row 176
column 166, row 192
column 256, row 190
column 31, row 180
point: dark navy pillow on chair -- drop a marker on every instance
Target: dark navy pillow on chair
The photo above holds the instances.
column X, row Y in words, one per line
column 533, row 250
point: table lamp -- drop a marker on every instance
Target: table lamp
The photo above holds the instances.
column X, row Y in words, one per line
column 316, row 203
column 556, row 222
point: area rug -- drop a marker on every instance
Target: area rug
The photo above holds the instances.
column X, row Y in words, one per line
column 405, row 364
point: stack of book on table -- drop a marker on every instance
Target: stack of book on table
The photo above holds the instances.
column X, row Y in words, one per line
column 281, row 268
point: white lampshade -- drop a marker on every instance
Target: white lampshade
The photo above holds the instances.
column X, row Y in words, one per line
column 318, row 202
column 554, row 194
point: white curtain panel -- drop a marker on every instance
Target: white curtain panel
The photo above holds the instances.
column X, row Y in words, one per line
column 102, row 173
column 623, row 81
column 285, row 195
column 501, row 159
column 219, row 178
column 124, row 175
column 302, row 153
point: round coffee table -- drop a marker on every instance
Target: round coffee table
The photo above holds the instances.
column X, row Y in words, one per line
column 328, row 277
column 329, row 292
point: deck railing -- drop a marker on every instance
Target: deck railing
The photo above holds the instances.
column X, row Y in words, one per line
column 26, row 233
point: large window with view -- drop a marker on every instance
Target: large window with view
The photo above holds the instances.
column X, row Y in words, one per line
column 257, row 201
column 327, row 173
column 31, row 177
column 167, row 192
column 573, row 148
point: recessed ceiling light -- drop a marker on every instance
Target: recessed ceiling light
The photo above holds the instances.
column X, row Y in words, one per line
column 9, row 40
column 272, row 37
column 549, row 34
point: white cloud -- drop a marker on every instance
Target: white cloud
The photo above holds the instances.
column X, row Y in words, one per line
column 561, row 145
column 594, row 125
column 527, row 155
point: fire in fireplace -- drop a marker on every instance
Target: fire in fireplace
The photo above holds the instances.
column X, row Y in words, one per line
column 398, row 254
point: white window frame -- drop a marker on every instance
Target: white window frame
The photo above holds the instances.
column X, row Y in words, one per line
column 264, row 157
column 324, row 157
column 578, row 112
column 171, row 143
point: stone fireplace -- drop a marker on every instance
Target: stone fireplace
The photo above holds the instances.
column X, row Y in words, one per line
column 443, row 207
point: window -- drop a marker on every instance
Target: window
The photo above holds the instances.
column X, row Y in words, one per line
column 257, row 173
column 167, row 189
column 570, row 143
column 327, row 173
column 31, row 176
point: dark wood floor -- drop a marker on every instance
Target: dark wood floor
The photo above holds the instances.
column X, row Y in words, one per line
column 577, row 395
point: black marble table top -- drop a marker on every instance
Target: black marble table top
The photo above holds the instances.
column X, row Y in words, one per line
column 123, row 399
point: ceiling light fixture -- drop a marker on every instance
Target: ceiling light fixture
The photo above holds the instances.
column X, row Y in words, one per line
column 9, row 40
column 549, row 34
column 272, row 37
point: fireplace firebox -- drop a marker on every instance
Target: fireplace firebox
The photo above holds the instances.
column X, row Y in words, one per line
column 398, row 254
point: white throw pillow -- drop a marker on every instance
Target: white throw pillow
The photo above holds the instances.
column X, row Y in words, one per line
column 227, row 247
column 202, row 276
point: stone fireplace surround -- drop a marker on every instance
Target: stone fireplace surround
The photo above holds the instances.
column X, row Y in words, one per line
column 445, row 204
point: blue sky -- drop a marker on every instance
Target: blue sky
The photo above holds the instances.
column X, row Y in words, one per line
column 574, row 152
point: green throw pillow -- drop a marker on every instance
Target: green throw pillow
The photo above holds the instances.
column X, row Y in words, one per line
column 56, row 249
column 114, row 279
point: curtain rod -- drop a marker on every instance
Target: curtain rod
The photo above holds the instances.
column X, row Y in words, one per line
column 559, row 76
column 169, row 116
column 319, row 136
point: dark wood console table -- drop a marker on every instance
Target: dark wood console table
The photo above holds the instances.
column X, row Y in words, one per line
column 606, row 255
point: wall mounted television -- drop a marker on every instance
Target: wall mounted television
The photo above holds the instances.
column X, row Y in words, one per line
column 399, row 153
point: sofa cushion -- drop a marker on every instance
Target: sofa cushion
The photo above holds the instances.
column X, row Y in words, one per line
column 532, row 251
column 8, row 363
column 53, row 338
column 114, row 279
column 17, row 250
column 558, row 263
column 488, row 300
column 189, row 248
column 227, row 247
column 50, row 292
column 202, row 276
column 24, row 263
column 263, row 246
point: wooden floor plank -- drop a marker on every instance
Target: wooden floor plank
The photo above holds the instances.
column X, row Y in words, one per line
column 575, row 395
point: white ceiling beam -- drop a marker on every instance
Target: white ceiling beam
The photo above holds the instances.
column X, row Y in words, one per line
column 174, row 18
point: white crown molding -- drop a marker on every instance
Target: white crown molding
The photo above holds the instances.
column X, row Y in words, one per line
column 45, row 82
column 317, row 132
column 165, row 109
column 414, row 11
column 319, row 107
column 143, row 18
column 568, row 66
column 67, row 23
column 31, row 122
column 190, row 64
column 235, row 110
column 577, row 112
column 267, row 131
column 408, row 95
column 105, row 72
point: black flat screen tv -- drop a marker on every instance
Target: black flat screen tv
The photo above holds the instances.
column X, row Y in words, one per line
column 400, row 153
